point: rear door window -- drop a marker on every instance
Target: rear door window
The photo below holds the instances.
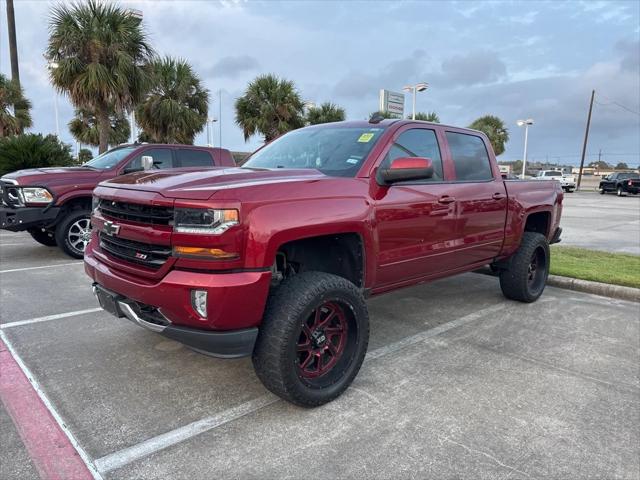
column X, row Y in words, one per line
column 470, row 157
column 417, row 142
column 162, row 159
column 194, row 158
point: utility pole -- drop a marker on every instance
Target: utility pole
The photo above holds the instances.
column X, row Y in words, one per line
column 586, row 137
column 13, row 45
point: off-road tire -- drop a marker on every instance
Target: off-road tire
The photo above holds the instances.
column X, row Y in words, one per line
column 515, row 281
column 275, row 356
column 46, row 238
column 63, row 228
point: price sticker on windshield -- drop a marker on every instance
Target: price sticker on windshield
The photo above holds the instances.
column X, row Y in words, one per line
column 365, row 137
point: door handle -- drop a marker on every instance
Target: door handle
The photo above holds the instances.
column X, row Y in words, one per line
column 498, row 196
column 446, row 199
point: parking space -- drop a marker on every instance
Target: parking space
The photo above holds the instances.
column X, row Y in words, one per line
column 602, row 222
column 458, row 383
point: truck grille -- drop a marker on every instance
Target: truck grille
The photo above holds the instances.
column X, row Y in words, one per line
column 9, row 194
column 151, row 256
column 135, row 212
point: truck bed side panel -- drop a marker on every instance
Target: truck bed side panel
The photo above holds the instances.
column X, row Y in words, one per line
column 525, row 198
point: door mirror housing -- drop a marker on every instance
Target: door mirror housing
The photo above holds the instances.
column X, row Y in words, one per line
column 406, row 168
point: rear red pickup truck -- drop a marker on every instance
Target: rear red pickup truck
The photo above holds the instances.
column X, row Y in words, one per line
column 275, row 259
column 54, row 204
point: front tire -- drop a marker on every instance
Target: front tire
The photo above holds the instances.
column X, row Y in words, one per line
column 527, row 274
column 46, row 237
column 620, row 192
column 313, row 338
column 74, row 232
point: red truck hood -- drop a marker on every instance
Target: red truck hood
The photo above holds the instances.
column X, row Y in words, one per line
column 202, row 184
column 54, row 176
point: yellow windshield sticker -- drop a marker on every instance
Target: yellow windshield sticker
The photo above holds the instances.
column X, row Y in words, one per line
column 365, row 137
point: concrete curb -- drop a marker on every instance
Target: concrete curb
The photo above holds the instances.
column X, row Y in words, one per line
column 596, row 288
column 586, row 286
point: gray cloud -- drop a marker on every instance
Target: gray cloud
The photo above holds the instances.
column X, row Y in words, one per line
column 472, row 68
column 232, row 66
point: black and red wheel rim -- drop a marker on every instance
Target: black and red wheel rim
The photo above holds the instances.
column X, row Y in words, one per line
column 323, row 340
column 537, row 270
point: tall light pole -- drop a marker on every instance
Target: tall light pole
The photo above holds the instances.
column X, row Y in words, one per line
column 210, row 122
column 53, row 66
column 525, row 124
column 418, row 87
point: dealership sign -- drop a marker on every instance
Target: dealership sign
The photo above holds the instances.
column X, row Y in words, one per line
column 392, row 102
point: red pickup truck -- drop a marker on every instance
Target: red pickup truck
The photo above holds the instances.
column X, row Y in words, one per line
column 54, row 204
column 275, row 259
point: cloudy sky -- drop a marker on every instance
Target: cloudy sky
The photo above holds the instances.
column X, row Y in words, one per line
column 511, row 59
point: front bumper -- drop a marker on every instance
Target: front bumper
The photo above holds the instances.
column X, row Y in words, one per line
column 22, row 218
column 226, row 344
column 234, row 300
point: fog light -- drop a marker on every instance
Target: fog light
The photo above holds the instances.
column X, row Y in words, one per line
column 199, row 302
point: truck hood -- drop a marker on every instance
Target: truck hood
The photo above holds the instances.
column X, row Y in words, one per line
column 53, row 176
column 201, row 184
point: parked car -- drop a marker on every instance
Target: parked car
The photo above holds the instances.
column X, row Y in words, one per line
column 621, row 183
column 567, row 182
column 54, row 204
column 275, row 259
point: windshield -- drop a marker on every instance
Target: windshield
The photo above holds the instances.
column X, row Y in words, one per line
column 335, row 151
column 109, row 159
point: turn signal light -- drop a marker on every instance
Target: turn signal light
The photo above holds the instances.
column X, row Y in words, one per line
column 201, row 252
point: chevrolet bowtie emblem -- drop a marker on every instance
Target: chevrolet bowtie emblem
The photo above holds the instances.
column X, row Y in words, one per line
column 110, row 228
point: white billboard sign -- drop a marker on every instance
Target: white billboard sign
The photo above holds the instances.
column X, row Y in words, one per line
column 392, row 102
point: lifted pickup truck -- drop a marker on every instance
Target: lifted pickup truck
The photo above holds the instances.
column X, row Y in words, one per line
column 275, row 259
column 54, row 204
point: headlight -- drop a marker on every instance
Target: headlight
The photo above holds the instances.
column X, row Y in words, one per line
column 35, row 196
column 197, row 220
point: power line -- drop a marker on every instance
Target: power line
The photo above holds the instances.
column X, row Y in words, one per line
column 613, row 102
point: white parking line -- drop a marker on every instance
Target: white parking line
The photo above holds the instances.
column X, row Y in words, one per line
column 54, row 413
column 128, row 455
column 11, row 244
column 57, row 316
column 37, row 268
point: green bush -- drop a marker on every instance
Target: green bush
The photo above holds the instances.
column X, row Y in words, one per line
column 84, row 155
column 33, row 151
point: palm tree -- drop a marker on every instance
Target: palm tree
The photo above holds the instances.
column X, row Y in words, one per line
column 99, row 52
column 325, row 113
column 493, row 128
column 426, row 117
column 270, row 106
column 84, row 128
column 382, row 114
column 175, row 109
column 14, row 108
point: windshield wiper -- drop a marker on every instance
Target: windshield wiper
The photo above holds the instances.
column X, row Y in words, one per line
column 91, row 167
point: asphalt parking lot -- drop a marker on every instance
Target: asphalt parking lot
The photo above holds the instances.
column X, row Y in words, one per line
column 602, row 222
column 458, row 383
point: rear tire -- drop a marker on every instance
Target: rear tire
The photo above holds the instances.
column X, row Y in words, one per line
column 602, row 191
column 528, row 270
column 74, row 232
column 46, row 238
column 313, row 338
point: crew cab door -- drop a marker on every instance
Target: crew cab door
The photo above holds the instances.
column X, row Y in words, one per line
column 415, row 220
column 481, row 199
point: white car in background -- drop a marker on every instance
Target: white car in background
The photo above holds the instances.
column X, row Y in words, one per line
column 567, row 181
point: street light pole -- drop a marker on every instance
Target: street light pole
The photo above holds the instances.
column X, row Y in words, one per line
column 52, row 66
column 526, row 124
column 418, row 87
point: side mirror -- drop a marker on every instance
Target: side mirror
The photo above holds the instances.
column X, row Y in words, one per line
column 406, row 168
column 147, row 162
